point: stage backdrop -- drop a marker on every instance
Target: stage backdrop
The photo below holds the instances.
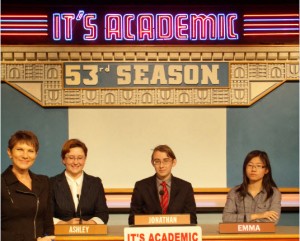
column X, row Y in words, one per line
column 210, row 143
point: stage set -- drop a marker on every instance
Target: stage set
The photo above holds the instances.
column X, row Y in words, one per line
column 85, row 62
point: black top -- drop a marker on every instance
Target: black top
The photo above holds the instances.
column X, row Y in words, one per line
column 25, row 214
column 92, row 201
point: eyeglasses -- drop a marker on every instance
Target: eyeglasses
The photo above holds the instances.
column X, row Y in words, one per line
column 165, row 162
column 73, row 158
column 257, row 167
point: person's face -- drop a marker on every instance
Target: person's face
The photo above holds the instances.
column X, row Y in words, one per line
column 256, row 169
column 163, row 165
column 22, row 155
column 74, row 161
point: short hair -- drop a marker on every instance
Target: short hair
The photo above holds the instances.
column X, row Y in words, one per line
column 166, row 149
column 72, row 143
column 24, row 136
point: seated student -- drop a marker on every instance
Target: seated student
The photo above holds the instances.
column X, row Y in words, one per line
column 257, row 199
column 162, row 192
column 76, row 196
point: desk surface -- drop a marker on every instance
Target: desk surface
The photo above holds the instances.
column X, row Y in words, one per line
column 209, row 232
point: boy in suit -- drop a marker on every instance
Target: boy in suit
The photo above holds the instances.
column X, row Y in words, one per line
column 163, row 193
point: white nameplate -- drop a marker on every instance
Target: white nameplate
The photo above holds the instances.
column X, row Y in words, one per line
column 175, row 233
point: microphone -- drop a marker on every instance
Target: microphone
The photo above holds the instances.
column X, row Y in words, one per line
column 80, row 217
column 245, row 219
column 161, row 193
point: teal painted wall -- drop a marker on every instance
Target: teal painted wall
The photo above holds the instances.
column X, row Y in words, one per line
column 50, row 125
column 272, row 125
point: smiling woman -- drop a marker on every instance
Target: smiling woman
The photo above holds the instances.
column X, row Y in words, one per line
column 25, row 199
column 77, row 198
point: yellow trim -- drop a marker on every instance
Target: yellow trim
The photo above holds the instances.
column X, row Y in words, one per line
column 216, row 190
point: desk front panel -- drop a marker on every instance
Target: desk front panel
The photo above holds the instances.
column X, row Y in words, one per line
column 209, row 232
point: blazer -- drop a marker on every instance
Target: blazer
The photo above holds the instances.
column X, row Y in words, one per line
column 92, row 201
column 25, row 214
column 145, row 199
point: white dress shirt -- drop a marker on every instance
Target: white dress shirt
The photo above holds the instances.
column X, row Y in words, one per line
column 75, row 187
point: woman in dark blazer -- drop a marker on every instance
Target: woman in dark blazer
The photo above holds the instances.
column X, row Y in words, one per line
column 25, row 197
column 77, row 198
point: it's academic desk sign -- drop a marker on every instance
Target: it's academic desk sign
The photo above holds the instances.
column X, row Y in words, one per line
column 209, row 232
column 164, row 57
column 175, row 227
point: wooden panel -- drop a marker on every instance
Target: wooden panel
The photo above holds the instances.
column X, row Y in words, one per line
column 207, row 199
column 197, row 190
column 247, row 228
column 209, row 232
column 162, row 219
column 80, row 229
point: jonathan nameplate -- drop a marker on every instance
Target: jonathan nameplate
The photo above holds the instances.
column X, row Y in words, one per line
column 162, row 219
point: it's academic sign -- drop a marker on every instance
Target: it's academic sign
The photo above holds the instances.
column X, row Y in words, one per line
column 110, row 56
column 184, row 233
column 160, row 26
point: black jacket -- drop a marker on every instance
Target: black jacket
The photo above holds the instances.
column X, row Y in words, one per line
column 145, row 199
column 92, row 201
column 25, row 214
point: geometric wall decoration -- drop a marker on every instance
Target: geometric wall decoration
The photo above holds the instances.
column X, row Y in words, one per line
column 148, row 75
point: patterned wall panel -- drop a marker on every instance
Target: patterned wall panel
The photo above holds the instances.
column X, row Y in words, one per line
column 254, row 71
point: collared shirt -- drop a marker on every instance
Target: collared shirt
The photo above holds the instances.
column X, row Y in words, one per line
column 75, row 187
column 159, row 187
column 239, row 209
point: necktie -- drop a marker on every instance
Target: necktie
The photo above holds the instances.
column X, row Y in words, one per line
column 165, row 198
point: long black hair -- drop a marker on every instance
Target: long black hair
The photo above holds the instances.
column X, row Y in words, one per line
column 267, row 183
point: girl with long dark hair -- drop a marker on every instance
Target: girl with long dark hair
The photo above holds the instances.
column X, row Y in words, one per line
column 257, row 199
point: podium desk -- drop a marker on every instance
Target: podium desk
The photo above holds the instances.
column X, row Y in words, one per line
column 209, row 232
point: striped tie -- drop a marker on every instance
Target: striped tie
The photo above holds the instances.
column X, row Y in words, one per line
column 165, row 198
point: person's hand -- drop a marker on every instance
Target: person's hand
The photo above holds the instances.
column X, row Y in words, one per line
column 46, row 238
column 271, row 215
column 88, row 222
column 71, row 221
column 74, row 221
